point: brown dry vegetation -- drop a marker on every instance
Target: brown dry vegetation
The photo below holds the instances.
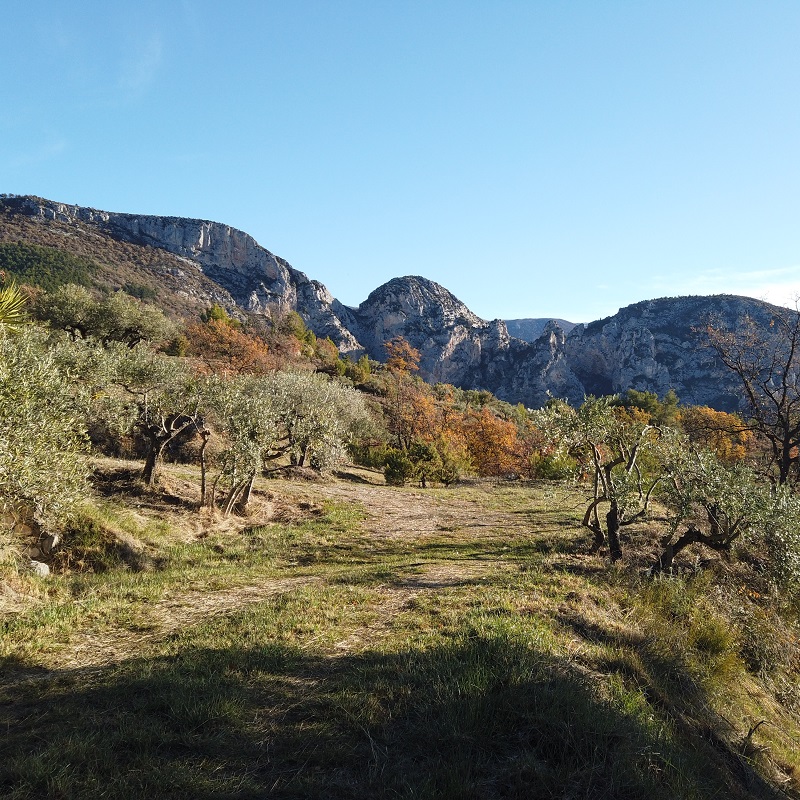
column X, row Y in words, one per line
column 182, row 289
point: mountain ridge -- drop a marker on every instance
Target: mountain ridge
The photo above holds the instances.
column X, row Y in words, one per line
column 192, row 263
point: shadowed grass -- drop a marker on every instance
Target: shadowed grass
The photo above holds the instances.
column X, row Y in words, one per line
column 235, row 710
column 503, row 663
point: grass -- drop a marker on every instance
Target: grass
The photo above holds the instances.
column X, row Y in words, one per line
column 488, row 655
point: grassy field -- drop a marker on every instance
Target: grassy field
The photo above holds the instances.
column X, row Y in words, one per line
column 350, row 640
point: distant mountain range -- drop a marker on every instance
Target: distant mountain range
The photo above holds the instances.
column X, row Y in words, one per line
column 187, row 264
column 529, row 330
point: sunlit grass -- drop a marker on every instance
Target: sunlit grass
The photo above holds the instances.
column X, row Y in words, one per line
column 509, row 664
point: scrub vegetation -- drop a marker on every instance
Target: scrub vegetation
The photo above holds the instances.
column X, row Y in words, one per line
column 235, row 564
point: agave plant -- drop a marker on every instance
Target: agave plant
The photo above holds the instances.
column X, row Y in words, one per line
column 12, row 307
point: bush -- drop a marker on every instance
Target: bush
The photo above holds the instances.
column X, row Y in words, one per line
column 398, row 468
column 555, row 467
column 42, row 434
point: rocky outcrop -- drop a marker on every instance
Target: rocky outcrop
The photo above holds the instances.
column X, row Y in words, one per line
column 448, row 335
column 653, row 345
column 657, row 345
column 459, row 347
column 258, row 281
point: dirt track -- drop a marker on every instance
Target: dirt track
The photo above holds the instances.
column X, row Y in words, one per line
column 390, row 514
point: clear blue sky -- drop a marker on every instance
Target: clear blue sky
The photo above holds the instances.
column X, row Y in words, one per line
column 560, row 158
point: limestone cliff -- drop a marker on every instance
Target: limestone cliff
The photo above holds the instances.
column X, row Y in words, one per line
column 257, row 280
column 653, row 345
column 657, row 345
column 448, row 335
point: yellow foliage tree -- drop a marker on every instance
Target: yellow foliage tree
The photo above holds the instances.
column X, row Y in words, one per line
column 724, row 434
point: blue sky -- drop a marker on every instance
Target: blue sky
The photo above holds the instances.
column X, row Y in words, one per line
column 536, row 158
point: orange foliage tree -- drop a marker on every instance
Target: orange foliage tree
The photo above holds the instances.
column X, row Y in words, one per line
column 492, row 442
column 404, row 396
column 725, row 434
column 402, row 358
column 225, row 348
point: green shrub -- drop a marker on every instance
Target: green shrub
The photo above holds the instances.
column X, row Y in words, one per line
column 555, row 467
column 45, row 266
column 398, row 468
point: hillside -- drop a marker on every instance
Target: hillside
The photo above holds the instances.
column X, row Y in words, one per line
column 354, row 640
column 188, row 265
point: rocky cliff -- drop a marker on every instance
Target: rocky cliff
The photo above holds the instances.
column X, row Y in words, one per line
column 652, row 345
column 656, row 345
column 257, row 280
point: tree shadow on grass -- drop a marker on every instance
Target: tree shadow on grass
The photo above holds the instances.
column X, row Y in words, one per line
column 484, row 716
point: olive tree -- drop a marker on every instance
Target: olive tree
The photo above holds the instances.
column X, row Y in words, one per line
column 43, row 468
column 115, row 318
column 122, row 318
column 303, row 417
column 611, row 444
column 245, row 411
column 150, row 395
column 717, row 503
column 318, row 415
column 782, row 538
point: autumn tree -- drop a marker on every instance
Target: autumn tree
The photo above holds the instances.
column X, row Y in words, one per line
column 726, row 435
column 224, row 347
column 492, row 443
column 430, row 432
column 765, row 359
column 660, row 411
column 404, row 395
column 401, row 357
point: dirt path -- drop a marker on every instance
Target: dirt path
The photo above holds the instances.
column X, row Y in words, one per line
column 395, row 514
column 413, row 517
column 389, row 515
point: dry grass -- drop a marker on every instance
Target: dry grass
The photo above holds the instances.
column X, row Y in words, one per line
column 355, row 640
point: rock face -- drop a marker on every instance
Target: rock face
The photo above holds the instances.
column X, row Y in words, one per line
column 449, row 336
column 657, row 345
column 258, row 281
column 459, row 347
column 652, row 345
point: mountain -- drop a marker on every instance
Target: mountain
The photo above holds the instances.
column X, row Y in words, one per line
column 529, row 330
column 189, row 264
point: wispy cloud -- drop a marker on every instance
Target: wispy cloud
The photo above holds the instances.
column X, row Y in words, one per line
column 780, row 285
column 139, row 69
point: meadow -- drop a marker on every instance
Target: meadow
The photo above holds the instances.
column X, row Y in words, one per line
column 347, row 639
